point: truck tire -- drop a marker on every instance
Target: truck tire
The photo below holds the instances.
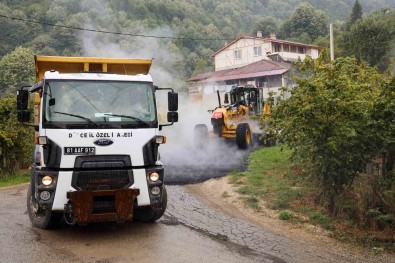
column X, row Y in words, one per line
column 200, row 135
column 243, row 136
column 40, row 218
column 151, row 214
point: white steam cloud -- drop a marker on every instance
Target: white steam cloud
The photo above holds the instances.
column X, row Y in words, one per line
column 101, row 45
column 183, row 161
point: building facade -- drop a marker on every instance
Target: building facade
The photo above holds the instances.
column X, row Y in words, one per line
column 245, row 50
column 255, row 60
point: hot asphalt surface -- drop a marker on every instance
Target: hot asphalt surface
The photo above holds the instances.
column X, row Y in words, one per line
column 187, row 164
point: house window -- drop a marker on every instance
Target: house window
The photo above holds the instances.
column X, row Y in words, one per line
column 293, row 49
column 238, row 54
column 257, row 51
column 277, row 48
column 301, row 50
column 286, row 48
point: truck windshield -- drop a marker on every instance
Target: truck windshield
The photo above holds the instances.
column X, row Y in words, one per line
column 113, row 103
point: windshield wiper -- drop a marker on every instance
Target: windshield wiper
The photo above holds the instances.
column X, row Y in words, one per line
column 78, row 116
column 129, row 117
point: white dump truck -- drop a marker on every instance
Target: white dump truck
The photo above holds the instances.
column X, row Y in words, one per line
column 96, row 141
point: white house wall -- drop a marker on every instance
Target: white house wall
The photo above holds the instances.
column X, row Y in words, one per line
column 226, row 58
column 314, row 53
column 292, row 56
column 210, row 97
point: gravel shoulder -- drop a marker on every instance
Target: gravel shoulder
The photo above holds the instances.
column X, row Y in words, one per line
column 212, row 191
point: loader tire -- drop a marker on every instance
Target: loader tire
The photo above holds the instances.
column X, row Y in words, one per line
column 200, row 135
column 243, row 136
column 39, row 217
column 151, row 214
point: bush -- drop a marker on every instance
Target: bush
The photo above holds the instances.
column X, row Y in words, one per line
column 16, row 144
column 328, row 120
column 285, row 215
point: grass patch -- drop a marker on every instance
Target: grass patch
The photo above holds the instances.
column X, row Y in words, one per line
column 253, row 202
column 270, row 176
column 14, row 179
column 285, row 215
column 246, row 190
column 267, row 176
column 225, row 194
column 323, row 220
column 236, row 177
column 318, row 217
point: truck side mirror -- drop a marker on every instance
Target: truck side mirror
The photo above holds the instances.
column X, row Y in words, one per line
column 172, row 116
column 226, row 100
column 172, row 101
column 22, row 101
column 23, row 116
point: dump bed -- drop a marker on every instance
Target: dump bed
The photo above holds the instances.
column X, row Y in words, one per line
column 90, row 64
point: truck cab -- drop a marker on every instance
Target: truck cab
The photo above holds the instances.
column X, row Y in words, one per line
column 97, row 137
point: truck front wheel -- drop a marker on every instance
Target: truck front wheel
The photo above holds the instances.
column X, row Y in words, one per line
column 151, row 214
column 41, row 218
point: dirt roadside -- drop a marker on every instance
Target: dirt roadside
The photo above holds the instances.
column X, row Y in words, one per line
column 212, row 193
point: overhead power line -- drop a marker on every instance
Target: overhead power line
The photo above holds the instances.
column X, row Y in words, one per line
column 109, row 32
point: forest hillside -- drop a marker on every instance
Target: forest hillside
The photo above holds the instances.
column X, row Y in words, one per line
column 179, row 34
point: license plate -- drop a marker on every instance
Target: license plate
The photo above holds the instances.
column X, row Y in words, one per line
column 79, row 150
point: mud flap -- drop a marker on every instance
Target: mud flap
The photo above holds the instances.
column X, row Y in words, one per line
column 98, row 206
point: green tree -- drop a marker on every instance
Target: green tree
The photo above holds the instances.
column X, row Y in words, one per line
column 16, row 68
column 191, row 62
column 327, row 121
column 16, row 144
column 370, row 39
column 383, row 119
column 44, row 45
column 67, row 41
column 306, row 19
column 355, row 15
column 200, row 67
column 13, row 32
column 266, row 25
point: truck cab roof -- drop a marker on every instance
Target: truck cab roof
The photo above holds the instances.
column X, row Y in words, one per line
column 55, row 75
column 79, row 65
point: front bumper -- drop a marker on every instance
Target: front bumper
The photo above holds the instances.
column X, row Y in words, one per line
column 96, row 206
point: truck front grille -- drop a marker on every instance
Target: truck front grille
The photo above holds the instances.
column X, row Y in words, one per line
column 102, row 180
column 102, row 173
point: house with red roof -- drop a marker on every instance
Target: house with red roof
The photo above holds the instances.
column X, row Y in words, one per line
column 251, row 60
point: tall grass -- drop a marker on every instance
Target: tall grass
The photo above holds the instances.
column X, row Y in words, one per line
column 267, row 175
column 14, row 179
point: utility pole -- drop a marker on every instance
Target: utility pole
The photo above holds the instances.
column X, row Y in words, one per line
column 332, row 49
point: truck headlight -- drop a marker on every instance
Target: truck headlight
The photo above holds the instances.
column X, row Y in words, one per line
column 47, row 180
column 154, row 176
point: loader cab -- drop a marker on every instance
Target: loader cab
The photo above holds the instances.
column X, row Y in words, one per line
column 247, row 96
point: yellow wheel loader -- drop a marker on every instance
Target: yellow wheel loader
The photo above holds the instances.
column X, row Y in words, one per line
column 237, row 120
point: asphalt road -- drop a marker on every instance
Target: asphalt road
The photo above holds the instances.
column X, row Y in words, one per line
column 164, row 241
column 190, row 231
